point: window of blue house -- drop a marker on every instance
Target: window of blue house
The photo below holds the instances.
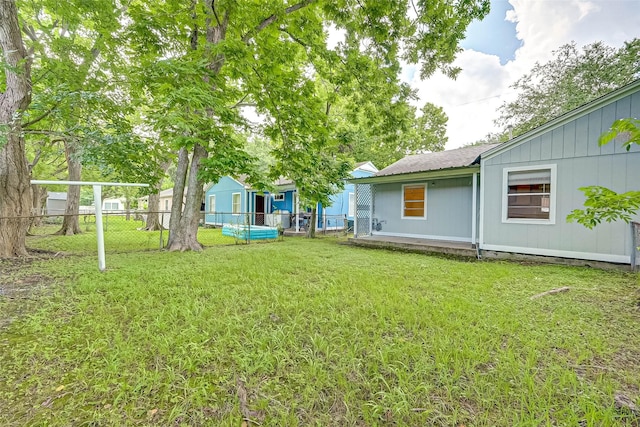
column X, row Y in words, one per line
column 236, row 203
column 212, row 203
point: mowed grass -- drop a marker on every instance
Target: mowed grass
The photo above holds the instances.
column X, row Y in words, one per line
column 120, row 235
column 310, row 332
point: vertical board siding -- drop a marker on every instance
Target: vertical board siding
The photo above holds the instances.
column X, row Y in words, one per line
column 535, row 149
column 569, row 140
column 545, row 146
column 557, row 143
column 608, row 117
column 449, row 208
column 581, row 162
column 582, row 136
column 595, row 130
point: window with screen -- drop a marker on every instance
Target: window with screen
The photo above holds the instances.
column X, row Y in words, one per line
column 529, row 194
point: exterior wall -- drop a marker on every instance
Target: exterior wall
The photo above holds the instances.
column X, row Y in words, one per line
column 580, row 161
column 56, row 203
column 166, row 202
column 449, row 210
column 339, row 208
column 111, row 201
column 283, row 205
column 223, row 190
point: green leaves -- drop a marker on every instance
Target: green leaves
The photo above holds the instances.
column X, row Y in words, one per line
column 571, row 79
column 605, row 205
column 628, row 129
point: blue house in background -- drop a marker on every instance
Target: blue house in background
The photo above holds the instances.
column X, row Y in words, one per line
column 233, row 201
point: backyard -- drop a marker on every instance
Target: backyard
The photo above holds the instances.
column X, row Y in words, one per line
column 300, row 332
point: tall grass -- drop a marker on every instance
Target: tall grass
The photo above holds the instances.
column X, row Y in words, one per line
column 306, row 332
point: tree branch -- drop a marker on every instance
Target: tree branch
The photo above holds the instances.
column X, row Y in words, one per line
column 215, row 14
column 271, row 19
column 42, row 116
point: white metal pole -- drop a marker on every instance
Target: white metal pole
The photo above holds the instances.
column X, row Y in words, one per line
column 474, row 207
column 355, row 211
column 97, row 201
column 297, row 196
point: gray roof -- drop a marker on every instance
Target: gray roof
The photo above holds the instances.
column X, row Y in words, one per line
column 450, row 159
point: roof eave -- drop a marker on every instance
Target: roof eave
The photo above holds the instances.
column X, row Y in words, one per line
column 415, row 176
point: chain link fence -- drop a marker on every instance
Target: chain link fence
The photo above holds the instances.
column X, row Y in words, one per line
column 135, row 230
column 124, row 231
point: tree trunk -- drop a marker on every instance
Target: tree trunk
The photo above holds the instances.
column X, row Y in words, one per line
column 183, row 227
column 311, row 233
column 39, row 196
column 71, row 222
column 153, row 217
column 15, row 188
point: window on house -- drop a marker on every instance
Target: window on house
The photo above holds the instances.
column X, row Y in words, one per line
column 212, row 203
column 529, row 194
column 414, row 198
column 352, row 204
column 166, row 205
column 278, row 197
column 111, row 206
column 236, row 203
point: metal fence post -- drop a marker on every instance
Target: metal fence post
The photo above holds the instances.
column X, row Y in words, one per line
column 161, row 228
column 635, row 242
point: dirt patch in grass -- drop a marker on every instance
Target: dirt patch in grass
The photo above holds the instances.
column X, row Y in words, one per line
column 20, row 285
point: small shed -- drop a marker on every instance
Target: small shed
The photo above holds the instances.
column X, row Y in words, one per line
column 56, row 203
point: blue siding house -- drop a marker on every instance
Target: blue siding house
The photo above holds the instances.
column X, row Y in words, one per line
column 233, row 201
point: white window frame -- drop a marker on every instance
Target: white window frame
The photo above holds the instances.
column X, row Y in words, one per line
column 278, row 197
column 233, row 205
column 212, row 203
column 352, row 205
column 552, row 196
column 166, row 205
column 414, row 184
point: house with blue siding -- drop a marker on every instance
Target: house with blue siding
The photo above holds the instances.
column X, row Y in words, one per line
column 511, row 198
column 233, row 201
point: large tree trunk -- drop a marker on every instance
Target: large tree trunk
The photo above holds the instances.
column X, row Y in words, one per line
column 71, row 222
column 15, row 188
column 183, row 226
column 153, row 217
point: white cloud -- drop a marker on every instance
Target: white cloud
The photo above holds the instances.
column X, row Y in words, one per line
column 472, row 100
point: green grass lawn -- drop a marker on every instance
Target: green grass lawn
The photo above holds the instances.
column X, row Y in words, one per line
column 302, row 332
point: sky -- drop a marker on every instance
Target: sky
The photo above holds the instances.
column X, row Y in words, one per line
column 506, row 44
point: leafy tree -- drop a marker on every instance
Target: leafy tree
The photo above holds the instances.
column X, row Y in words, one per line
column 603, row 204
column 15, row 96
column 571, row 79
column 203, row 61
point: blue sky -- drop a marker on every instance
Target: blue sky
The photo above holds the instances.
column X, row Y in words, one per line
column 494, row 35
column 506, row 45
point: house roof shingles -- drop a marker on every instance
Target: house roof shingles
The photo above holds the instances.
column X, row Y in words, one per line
column 450, row 159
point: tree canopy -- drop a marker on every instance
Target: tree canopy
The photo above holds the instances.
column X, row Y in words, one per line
column 573, row 78
column 120, row 87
